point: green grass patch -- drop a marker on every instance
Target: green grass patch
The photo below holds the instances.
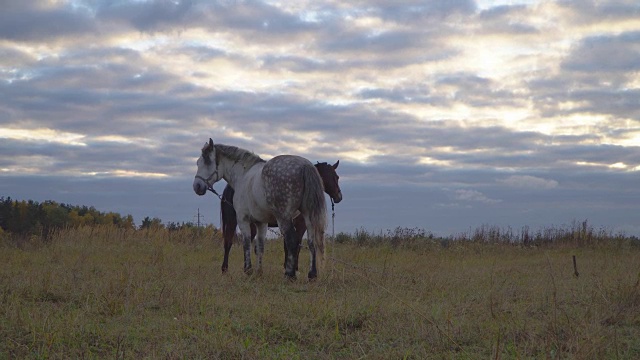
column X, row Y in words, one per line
column 125, row 294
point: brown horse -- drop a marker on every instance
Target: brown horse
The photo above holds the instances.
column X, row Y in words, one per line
column 229, row 219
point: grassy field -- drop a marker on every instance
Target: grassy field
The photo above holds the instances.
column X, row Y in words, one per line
column 111, row 293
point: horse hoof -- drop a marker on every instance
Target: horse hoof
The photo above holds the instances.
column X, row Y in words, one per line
column 312, row 275
column 224, row 270
column 248, row 271
column 290, row 277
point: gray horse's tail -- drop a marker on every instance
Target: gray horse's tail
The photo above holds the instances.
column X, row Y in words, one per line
column 314, row 207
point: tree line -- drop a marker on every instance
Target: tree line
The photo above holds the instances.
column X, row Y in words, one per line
column 28, row 217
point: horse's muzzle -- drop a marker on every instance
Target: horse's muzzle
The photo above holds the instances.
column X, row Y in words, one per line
column 199, row 187
column 338, row 197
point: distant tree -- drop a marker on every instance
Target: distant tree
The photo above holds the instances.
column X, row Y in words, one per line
column 108, row 219
column 128, row 222
column 55, row 216
column 149, row 223
column 174, row 226
column 33, row 218
column 88, row 219
column 21, row 213
column 146, row 223
column 6, row 207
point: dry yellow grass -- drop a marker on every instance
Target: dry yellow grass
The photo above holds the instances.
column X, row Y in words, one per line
column 106, row 292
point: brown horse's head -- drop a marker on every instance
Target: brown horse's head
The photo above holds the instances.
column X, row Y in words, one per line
column 330, row 180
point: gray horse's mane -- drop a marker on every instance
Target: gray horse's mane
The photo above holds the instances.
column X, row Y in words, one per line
column 242, row 156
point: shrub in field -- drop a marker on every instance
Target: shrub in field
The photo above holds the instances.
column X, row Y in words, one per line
column 576, row 234
column 343, row 238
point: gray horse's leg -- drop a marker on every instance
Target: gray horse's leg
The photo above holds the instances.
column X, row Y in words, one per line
column 262, row 234
column 301, row 228
column 313, row 270
column 245, row 229
column 291, row 245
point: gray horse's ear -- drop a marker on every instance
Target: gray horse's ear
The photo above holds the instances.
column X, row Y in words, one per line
column 335, row 166
column 210, row 143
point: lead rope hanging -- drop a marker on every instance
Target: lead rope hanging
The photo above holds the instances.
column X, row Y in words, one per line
column 333, row 235
column 210, row 188
column 333, row 220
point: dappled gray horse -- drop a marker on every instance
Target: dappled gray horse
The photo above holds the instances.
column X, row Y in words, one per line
column 229, row 219
column 268, row 191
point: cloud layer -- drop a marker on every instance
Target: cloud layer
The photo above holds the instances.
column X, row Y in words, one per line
column 444, row 114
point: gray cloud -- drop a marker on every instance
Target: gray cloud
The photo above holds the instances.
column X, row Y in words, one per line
column 529, row 182
column 147, row 15
column 508, row 20
column 618, row 53
column 590, row 11
column 400, row 95
column 414, row 11
column 33, row 21
column 473, row 196
column 372, row 84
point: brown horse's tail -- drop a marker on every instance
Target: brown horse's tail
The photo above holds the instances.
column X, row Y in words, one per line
column 228, row 215
column 314, row 207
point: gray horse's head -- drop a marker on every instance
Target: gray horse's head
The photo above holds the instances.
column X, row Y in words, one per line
column 207, row 173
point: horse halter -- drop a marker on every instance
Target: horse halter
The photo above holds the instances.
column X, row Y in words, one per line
column 208, row 180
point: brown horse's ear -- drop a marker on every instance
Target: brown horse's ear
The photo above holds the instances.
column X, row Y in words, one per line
column 335, row 166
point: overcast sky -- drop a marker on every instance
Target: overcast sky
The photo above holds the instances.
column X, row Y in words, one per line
column 444, row 114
